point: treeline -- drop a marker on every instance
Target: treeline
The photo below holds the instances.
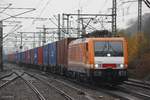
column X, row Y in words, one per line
column 139, row 53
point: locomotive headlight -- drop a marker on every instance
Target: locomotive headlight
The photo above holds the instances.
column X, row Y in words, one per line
column 121, row 65
column 108, row 55
column 96, row 65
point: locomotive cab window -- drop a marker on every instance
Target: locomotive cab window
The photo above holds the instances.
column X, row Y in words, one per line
column 108, row 49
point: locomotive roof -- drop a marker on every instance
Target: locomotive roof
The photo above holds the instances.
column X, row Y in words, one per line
column 85, row 40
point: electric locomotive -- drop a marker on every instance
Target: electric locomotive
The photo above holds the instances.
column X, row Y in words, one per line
column 98, row 59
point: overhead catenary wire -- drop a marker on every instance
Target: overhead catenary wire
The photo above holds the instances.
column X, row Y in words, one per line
column 17, row 8
column 5, row 8
column 37, row 6
column 43, row 9
column 18, row 14
column 56, row 24
column 13, row 16
column 12, row 31
column 61, row 25
column 147, row 3
column 38, row 16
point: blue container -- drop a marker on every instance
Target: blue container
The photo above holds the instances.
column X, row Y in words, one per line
column 36, row 56
column 5, row 57
column 22, row 56
column 30, row 57
column 45, row 55
column 15, row 55
column 52, row 53
column 19, row 59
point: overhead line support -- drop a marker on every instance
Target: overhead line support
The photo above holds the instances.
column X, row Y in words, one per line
column 114, row 17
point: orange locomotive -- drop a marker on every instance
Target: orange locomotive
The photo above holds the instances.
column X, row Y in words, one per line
column 100, row 59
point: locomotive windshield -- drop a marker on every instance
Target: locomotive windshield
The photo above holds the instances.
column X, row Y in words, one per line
column 108, row 49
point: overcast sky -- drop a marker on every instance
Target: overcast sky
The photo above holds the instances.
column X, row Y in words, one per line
column 49, row 8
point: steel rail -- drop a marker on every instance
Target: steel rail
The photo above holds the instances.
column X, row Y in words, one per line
column 117, row 94
column 114, row 93
column 139, row 81
column 135, row 92
column 68, row 97
column 141, row 85
column 36, row 91
column 77, row 89
column 10, row 81
column 7, row 75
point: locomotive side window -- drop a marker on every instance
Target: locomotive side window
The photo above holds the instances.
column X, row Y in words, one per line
column 108, row 48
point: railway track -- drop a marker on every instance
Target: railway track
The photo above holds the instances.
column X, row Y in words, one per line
column 138, row 83
column 7, row 75
column 10, row 80
column 36, row 91
column 115, row 93
column 122, row 92
column 70, row 92
column 137, row 88
column 33, row 85
column 41, row 97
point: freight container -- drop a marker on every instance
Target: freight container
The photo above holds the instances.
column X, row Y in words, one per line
column 40, row 55
column 17, row 57
column 23, row 57
column 32, row 56
column 20, row 57
column 28, row 56
column 12, row 58
column 15, row 60
column 45, row 55
column 5, row 57
column 9, row 58
column 52, row 53
column 36, row 56
column 62, row 51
